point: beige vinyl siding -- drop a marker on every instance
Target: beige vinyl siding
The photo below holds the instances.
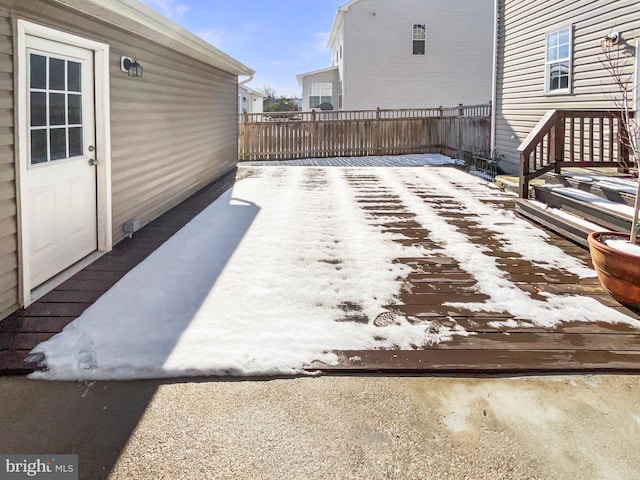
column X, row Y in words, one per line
column 522, row 26
column 172, row 131
column 8, row 216
column 380, row 70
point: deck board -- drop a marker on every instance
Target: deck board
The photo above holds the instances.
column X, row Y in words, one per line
column 22, row 331
column 494, row 344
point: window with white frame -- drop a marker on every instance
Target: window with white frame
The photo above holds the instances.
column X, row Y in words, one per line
column 558, row 61
column 320, row 93
column 419, row 39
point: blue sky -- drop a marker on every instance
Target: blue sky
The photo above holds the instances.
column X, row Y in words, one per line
column 277, row 38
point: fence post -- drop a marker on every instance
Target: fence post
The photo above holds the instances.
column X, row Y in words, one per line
column 377, row 137
column 461, row 110
column 440, row 111
column 244, row 135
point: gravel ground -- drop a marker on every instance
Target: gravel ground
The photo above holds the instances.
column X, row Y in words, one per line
column 569, row 427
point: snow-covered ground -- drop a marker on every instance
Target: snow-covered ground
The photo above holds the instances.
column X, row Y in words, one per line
column 285, row 269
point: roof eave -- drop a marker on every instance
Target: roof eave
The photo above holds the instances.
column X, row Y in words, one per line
column 337, row 21
column 136, row 17
column 300, row 76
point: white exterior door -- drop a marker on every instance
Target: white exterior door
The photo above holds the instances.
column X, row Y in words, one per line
column 60, row 179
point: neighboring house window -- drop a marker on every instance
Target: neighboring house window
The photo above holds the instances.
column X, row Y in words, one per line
column 419, row 39
column 558, row 61
column 320, row 93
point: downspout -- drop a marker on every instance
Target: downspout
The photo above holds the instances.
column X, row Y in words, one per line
column 247, row 80
column 494, row 81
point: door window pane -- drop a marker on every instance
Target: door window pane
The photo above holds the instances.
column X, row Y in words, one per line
column 38, row 146
column 75, row 141
column 74, row 109
column 57, row 109
column 38, row 109
column 38, row 71
column 73, row 76
column 58, row 143
column 56, row 74
column 56, row 116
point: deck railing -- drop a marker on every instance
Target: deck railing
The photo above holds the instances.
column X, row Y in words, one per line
column 458, row 131
column 578, row 138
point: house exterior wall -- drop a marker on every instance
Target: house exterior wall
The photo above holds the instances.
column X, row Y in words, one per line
column 8, row 216
column 380, row 70
column 331, row 77
column 337, row 53
column 172, row 131
column 520, row 71
column 249, row 101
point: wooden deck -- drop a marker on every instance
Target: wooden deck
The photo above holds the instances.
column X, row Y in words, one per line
column 23, row 330
column 434, row 281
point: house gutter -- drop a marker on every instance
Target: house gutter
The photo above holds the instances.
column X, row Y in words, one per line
column 494, row 80
column 244, row 82
column 136, row 17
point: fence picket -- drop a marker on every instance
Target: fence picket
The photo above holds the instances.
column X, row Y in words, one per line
column 461, row 130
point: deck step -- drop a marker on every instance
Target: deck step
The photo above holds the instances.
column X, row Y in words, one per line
column 610, row 215
column 615, row 189
column 574, row 229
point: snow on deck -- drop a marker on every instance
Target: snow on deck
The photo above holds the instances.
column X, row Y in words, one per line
column 287, row 268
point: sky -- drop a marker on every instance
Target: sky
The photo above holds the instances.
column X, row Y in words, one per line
column 279, row 39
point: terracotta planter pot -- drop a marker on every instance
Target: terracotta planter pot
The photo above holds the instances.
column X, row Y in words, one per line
column 619, row 272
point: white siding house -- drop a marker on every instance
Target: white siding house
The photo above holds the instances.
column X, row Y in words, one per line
column 250, row 100
column 548, row 56
column 320, row 87
column 407, row 54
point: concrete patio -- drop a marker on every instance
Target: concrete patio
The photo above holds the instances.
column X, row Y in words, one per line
column 382, row 427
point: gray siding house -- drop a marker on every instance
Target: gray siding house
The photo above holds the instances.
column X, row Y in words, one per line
column 548, row 56
column 406, row 54
column 86, row 145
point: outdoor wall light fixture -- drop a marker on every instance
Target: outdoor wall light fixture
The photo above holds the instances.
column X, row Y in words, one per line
column 130, row 66
column 611, row 39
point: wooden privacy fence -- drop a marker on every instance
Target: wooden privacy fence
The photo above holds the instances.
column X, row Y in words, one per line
column 459, row 131
column 573, row 138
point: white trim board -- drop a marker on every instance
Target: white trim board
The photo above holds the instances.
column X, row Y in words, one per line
column 103, row 141
column 636, row 83
column 134, row 16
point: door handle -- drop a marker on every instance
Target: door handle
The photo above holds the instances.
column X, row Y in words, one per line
column 93, row 162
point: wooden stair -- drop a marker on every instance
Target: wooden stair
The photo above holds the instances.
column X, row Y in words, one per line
column 575, row 204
